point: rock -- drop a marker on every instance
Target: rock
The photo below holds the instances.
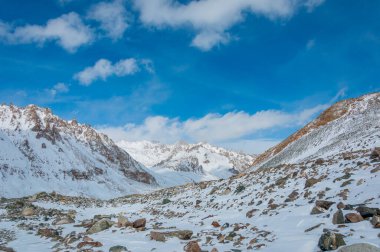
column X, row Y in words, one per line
column 338, row 217
column 317, row 210
column 341, row 205
column 91, row 244
column 353, row 217
column 239, row 188
column 122, row 221
column 192, row 246
column 311, row 181
column 250, row 213
column 375, row 221
column 324, row 204
column 118, row 249
column 166, row 201
column 28, row 211
column 214, row 250
column 63, row 220
column 180, row 234
column 366, row 212
column 319, row 161
column 99, row 226
column 359, row 247
column 6, row 249
column 140, row 223
column 48, row 232
column 313, row 227
column 375, row 154
column 215, row 224
column 292, row 196
column 330, row 241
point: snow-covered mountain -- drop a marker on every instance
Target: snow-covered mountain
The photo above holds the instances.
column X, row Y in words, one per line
column 41, row 152
column 317, row 191
column 347, row 126
column 192, row 162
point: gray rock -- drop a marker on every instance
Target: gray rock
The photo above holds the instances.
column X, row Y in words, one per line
column 99, row 226
column 359, row 247
column 118, row 248
column 330, row 241
column 338, row 217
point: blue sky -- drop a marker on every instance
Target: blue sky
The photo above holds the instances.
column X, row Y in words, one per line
column 241, row 74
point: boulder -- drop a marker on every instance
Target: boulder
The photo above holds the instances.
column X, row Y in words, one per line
column 89, row 244
column 99, row 226
column 28, row 211
column 330, row 241
column 341, row 205
column 359, row 247
column 215, row 224
column 375, row 221
column 338, row 217
column 122, row 221
column 118, row 248
column 366, row 212
column 353, row 217
column 63, row 220
column 192, row 246
column 140, row 223
column 311, row 181
column 48, row 232
column 162, row 236
column 317, row 210
column 325, row 204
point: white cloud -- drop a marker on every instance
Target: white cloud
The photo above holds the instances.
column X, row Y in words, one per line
column 59, row 88
column 227, row 130
column 112, row 17
column 68, row 31
column 310, row 44
column 104, row 68
column 212, row 18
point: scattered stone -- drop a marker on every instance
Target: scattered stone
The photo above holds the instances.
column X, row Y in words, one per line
column 341, row 205
column 250, row 213
column 353, row 217
column 324, row 204
column 192, row 246
column 214, row 250
column 63, row 220
column 28, row 211
column 330, row 241
column 215, row 224
column 311, row 181
column 338, row 217
column 48, row 232
column 99, row 226
column 317, row 210
column 118, row 248
column 313, row 227
column 359, row 247
column 375, row 221
column 140, row 223
column 375, row 154
column 91, row 244
column 374, row 170
column 366, row 212
column 166, row 201
column 122, row 221
column 239, row 188
column 6, row 249
column 292, row 196
column 162, row 236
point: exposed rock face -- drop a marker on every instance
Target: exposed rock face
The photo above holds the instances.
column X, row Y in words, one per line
column 72, row 153
column 327, row 133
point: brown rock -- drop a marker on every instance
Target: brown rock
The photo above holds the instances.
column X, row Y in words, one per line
column 250, row 213
column 324, row 204
column 28, row 211
column 215, row 224
column 192, row 246
column 353, row 217
column 311, row 181
column 338, row 217
column 180, row 234
column 341, row 205
column 375, row 221
column 91, row 244
column 157, row 236
column 48, row 232
column 139, row 223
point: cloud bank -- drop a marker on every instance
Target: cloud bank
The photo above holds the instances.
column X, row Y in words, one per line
column 232, row 130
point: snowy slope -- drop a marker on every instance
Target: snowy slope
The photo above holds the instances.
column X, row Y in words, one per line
column 191, row 162
column 40, row 152
column 347, row 126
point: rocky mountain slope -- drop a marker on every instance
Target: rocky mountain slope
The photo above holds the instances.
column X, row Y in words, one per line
column 41, row 152
column 347, row 126
column 192, row 162
column 328, row 200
